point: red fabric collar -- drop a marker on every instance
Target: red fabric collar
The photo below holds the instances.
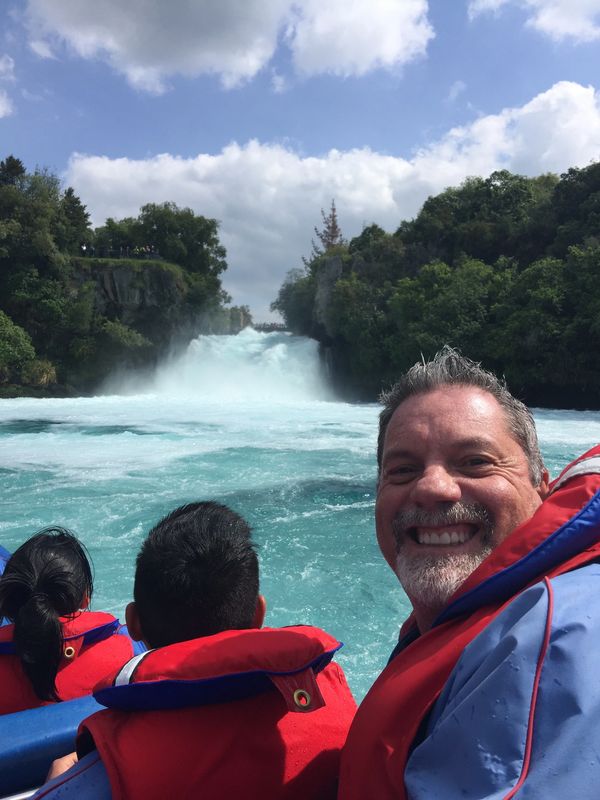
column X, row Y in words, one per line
column 72, row 627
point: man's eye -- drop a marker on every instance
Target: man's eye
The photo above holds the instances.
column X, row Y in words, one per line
column 477, row 461
column 401, row 472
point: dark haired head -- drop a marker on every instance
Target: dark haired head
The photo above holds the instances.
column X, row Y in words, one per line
column 48, row 577
column 196, row 575
column 450, row 368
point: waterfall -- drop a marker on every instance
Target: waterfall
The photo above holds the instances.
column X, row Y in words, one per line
column 252, row 365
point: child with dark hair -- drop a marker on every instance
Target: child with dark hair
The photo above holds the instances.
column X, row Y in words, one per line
column 53, row 649
column 221, row 707
column 196, row 575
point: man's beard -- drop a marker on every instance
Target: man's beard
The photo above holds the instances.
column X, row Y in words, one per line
column 430, row 579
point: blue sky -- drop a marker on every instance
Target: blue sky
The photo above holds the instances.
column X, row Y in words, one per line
column 258, row 112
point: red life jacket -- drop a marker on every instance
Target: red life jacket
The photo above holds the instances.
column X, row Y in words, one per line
column 92, row 647
column 562, row 535
column 260, row 714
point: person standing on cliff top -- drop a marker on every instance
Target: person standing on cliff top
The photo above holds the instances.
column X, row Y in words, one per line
column 492, row 688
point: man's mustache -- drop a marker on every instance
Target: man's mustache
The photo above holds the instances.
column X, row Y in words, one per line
column 457, row 513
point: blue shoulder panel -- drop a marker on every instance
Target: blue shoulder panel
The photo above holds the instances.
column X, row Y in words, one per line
column 4, row 556
column 474, row 742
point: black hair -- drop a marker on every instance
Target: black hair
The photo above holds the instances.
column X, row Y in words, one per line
column 196, row 575
column 450, row 368
column 47, row 577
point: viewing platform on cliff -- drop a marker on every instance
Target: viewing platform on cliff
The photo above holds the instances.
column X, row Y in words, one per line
column 269, row 327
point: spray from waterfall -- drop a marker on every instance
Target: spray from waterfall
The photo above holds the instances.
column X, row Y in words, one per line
column 252, row 366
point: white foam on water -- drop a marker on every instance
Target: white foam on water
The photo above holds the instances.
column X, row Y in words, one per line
column 250, row 366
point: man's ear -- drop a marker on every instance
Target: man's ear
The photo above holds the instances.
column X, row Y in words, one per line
column 543, row 489
column 133, row 622
column 260, row 611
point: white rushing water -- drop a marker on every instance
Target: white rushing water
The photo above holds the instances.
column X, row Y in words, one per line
column 249, row 421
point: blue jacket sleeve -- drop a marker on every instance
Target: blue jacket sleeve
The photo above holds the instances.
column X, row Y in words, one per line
column 4, row 556
column 87, row 780
column 494, row 728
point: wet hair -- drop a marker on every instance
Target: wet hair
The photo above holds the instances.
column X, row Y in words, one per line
column 449, row 368
column 47, row 577
column 196, row 575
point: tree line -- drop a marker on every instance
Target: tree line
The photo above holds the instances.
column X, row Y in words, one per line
column 55, row 327
column 505, row 268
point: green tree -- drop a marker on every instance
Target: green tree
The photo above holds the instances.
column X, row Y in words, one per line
column 526, row 339
column 183, row 237
column 119, row 238
column 12, row 171
column 361, row 329
column 29, row 210
column 576, row 208
column 73, row 224
column 16, row 349
column 379, row 255
column 329, row 236
column 295, row 301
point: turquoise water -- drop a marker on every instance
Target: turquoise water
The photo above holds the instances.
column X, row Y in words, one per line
column 249, row 421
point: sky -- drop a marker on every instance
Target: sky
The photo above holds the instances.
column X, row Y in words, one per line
column 260, row 112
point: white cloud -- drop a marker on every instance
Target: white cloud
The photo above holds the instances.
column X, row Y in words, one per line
column 268, row 197
column 6, row 106
column 278, row 82
column 559, row 19
column 41, row 48
column 7, row 74
column 352, row 37
column 148, row 41
column 7, row 68
column 480, row 6
column 457, row 88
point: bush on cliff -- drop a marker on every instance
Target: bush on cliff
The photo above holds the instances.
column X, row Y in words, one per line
column 16, row 349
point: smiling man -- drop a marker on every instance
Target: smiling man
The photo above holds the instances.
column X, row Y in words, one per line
column 454, row 482
column 491, row 689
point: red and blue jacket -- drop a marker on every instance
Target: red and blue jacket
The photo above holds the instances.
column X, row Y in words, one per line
column 501, row 697
column 261, row 714
column 94, row 644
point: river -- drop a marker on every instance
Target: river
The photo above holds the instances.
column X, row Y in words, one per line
column 247, row 420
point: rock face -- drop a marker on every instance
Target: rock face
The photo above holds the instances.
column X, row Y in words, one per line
column 328, row 274
column 123, row 290
column 153, row 298
column 335, row 353
column 137, row 311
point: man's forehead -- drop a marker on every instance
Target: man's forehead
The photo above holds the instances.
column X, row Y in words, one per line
column 468, row 411
column 451, row 395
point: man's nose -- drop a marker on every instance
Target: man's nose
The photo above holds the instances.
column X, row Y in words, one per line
column 435, row 485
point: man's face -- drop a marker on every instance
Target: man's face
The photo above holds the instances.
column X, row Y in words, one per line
column 454, row 483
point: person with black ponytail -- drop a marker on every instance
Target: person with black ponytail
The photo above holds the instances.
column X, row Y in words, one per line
column 53, row 648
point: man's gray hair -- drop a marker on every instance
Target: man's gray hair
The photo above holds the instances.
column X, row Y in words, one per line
column 450, row 368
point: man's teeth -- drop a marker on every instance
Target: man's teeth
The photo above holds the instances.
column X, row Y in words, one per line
column 447, row 537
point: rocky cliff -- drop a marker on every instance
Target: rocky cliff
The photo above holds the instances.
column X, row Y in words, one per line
column 155, row 298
